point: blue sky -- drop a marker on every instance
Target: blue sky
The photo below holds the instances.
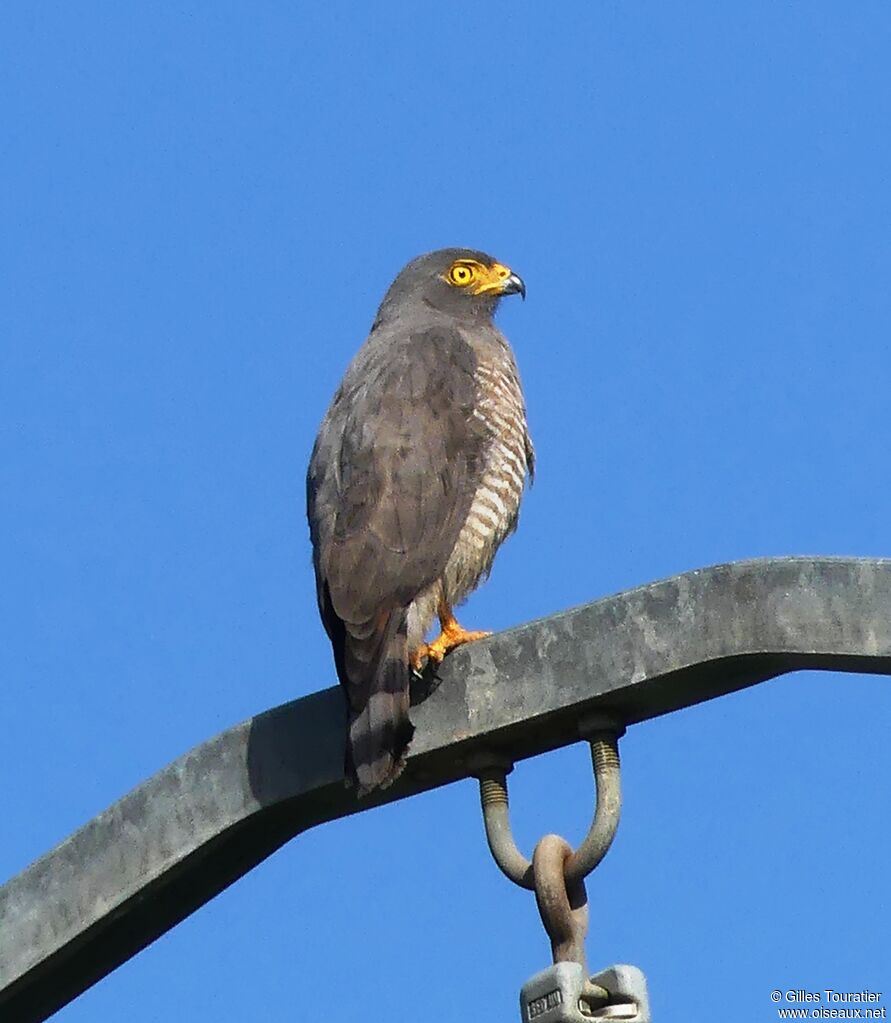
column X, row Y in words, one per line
column 200, row 208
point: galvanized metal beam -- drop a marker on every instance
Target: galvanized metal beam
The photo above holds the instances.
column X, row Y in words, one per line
column 181, row 837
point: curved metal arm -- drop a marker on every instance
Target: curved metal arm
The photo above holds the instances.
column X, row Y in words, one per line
column 206, row 819
column 603, row 736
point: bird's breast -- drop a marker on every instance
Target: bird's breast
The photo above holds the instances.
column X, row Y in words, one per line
column 493, row 511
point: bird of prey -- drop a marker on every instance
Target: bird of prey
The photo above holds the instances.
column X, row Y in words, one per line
column 415, row 480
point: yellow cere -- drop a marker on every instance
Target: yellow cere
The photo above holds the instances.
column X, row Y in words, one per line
column 477, row 277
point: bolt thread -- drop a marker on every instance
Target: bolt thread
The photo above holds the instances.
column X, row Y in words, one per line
column 605, row 754
column 493, row 792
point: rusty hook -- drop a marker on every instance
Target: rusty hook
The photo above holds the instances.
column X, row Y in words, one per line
column 563, row 906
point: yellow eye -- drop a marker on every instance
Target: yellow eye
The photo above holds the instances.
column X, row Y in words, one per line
column 461, row 275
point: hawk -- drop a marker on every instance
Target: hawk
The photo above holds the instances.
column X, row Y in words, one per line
column 415, row 480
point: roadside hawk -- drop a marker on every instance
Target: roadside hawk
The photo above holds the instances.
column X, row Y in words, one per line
column 414, row 482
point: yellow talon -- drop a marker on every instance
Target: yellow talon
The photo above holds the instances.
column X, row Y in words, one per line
column 451, row 636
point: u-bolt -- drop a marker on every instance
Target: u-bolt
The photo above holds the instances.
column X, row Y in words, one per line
column 602, row 734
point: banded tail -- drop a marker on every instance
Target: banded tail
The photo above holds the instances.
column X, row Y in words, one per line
column 373, row 668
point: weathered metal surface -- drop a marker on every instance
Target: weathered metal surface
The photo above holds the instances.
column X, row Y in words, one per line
column 181, row 837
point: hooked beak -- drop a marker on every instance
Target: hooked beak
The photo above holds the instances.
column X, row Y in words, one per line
column 514, row 286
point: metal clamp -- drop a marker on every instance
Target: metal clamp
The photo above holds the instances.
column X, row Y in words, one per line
column 558, row 995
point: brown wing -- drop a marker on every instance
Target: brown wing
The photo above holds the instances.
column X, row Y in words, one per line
column 390, row 484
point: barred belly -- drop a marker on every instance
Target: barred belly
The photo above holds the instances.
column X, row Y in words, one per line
column 493, row 513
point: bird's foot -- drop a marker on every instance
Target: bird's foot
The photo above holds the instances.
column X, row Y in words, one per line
column 452, row 635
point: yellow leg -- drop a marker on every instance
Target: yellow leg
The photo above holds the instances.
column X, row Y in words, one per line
column 452, row 635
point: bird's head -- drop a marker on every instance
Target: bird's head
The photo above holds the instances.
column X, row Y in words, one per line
column 464, row 283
